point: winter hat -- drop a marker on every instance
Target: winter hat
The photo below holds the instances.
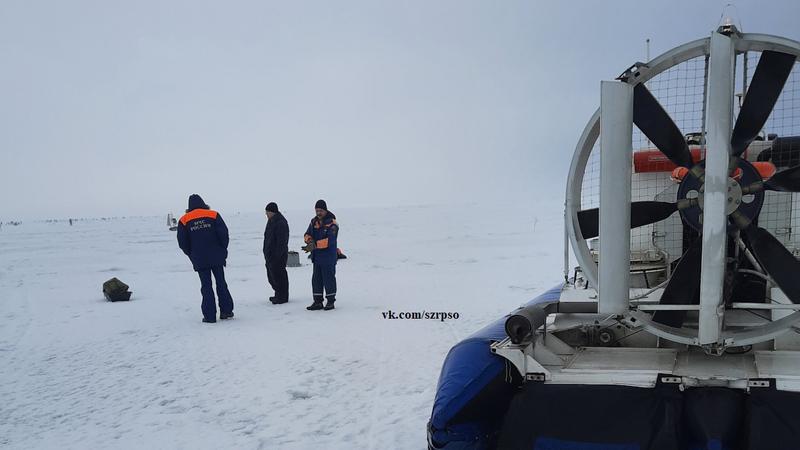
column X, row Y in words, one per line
column 321, row 205
column 196, row 202
column 272, row 207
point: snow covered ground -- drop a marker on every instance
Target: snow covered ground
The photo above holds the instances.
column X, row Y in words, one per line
column 79, row 372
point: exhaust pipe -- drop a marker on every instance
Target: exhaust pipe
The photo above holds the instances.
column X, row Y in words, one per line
column 524, row 321
column 521, row 323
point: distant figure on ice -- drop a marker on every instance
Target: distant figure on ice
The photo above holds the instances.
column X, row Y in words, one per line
column 70, row 222
column 203, row 237
column 276, row 252
column 320, row 240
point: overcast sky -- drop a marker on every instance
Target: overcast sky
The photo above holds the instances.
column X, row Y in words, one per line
column 127, row 107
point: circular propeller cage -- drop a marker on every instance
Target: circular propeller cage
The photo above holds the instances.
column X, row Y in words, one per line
column 666, row 210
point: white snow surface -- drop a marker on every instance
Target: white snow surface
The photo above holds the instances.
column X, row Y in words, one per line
column 79, row 372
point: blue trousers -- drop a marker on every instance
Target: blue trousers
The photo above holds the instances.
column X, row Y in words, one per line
column 323, row 281
column 209, row 306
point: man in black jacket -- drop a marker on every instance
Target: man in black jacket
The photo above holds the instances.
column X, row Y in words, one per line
column 276, row 250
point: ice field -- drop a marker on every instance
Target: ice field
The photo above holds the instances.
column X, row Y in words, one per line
column 80, row 372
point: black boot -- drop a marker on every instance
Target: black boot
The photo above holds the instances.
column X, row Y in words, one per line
column 317, row 305
column 224, row 316
column 272, row 299
column 209, row 320
column 329, row 304
column 280, row 301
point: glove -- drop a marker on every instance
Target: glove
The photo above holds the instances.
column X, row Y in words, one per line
column 309, row 247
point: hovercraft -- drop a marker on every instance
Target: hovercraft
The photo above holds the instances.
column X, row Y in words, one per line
column 679, row 328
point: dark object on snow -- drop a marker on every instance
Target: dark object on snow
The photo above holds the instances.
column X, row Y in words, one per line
column 116, row 291
column 293, row 259
column 339, row 254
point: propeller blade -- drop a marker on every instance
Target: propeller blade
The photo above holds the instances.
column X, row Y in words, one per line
column 683, row 286
column 656, row 124
column 771, row 73
column 779, row 262
column 787, row 180
column 642, row 213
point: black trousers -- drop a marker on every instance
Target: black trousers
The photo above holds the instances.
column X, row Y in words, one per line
column 277, row 276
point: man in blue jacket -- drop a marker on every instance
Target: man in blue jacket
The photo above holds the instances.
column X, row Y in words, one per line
column 203, row 237
column 276, row 253
column 320, row 240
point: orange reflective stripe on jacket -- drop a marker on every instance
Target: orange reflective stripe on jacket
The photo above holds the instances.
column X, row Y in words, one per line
column 318, row 224
column 198, row 214
column 322, row 244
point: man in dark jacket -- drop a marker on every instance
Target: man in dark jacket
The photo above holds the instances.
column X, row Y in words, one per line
column 320, row 240
column 203, row 237
column 276, row 251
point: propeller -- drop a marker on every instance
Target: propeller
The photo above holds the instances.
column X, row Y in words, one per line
column 655, row 123
column 683, row 286
column 771, row 74
column 642, row 213
column 776, row 260
column 787, row 180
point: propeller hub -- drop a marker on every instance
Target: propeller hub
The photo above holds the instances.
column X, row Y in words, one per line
column 748, row 206
column 733, row 200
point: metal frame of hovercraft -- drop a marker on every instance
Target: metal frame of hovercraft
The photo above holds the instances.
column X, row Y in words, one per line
column 669, row 356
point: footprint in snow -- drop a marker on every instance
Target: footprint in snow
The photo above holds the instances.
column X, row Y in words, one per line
column 299, row 395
